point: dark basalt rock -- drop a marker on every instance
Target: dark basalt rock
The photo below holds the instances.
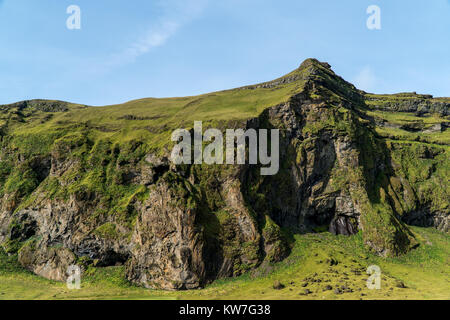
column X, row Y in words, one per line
column 343, row 225
column 23, row 228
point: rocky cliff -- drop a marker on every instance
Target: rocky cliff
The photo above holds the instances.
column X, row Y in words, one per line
column 94, row 186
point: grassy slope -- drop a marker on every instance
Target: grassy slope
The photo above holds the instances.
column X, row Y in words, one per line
column 424, row 271
column 152, row 119
column 428, row 175
column 404, row 118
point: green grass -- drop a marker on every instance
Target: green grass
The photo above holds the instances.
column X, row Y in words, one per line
column 402, row 118
column 395, row 121
column 148, row 119
column 424, row 271
column 375, row 99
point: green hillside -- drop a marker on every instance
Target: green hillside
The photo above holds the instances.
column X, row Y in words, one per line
column 363, row 179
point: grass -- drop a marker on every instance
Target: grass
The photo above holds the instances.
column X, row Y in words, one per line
column 319, row 259
column 147, row 120
column 376, row 99
column 397, row 121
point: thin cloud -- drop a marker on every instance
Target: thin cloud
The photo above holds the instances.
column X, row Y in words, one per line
column 365, row 79
column 177, row 14
column 155, row 37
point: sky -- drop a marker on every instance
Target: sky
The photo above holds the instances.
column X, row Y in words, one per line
column 128, row 50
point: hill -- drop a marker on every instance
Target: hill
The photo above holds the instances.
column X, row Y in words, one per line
column 93, row 186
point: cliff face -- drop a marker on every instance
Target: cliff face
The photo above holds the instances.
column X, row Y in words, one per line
column 97, row 193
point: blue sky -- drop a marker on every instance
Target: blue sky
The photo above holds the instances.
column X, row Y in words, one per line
column 160, row 48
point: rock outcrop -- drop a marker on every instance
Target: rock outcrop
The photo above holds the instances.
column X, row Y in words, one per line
column 411, row 102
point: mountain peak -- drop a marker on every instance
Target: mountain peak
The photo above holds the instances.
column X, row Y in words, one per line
column 313, row 62
column 307, row 70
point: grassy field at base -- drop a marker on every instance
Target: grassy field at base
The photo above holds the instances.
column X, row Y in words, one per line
column 321, row 266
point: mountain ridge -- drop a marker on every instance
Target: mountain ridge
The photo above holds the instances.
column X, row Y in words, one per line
column 310, row 69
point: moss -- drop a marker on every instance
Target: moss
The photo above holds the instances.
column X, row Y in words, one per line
column 30, row 243
column 275, row 240
column 208, row 180
column 384, row 233
column 108, row 231
column 425, row 168
column 271, row 231
column 23, row 180
column 12, row 246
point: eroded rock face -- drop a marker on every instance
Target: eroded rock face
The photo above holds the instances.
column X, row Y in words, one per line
column 425, row 217
column 343, row 225
column 302, row 196
column 48, row 262
column 167, row 246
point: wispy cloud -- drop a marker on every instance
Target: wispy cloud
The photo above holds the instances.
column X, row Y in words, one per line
column 177, row 13
column 365, row 79
column 156, row 36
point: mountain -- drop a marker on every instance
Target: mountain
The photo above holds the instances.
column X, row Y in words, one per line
column 94, row 186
